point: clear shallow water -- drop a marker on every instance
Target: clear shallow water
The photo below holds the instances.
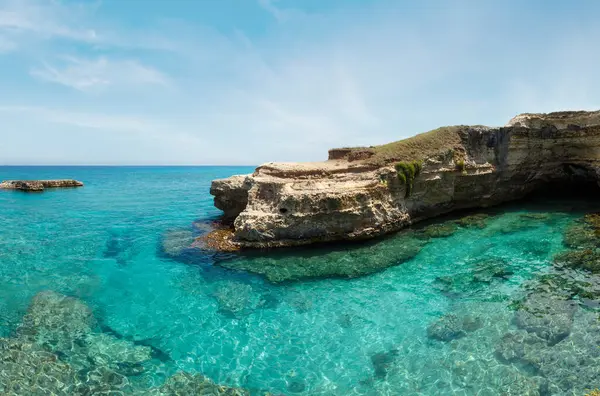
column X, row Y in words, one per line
column 371, row 335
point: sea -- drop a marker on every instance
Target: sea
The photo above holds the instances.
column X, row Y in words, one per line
column 469, row 304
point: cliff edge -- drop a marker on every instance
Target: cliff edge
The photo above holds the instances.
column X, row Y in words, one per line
column 364, row 192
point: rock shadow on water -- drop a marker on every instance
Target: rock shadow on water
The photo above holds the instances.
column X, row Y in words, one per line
column 120, row 246
column 382, row 361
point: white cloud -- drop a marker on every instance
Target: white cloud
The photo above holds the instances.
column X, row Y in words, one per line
column 42, row 21
column 99, row 74
column 46, row 19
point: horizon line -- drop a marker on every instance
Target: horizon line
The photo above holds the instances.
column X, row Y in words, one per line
column 118, row 165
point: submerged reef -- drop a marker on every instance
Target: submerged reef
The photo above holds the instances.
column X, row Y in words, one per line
column 361, row 193
column 476, row 277
column 450, row 327
column 176, row 242
column 38, row 185
column 59, row 349
column 343, row 261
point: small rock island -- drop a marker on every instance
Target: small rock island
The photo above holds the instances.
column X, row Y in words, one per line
column 39, row 185
column 360, row 193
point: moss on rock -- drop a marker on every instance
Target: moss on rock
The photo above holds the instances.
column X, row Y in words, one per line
column 407, row 172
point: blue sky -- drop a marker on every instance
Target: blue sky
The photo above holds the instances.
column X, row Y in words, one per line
column 252, row 81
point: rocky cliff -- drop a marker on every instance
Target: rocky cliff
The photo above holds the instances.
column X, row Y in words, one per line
column 38, row 185
column 365, row 192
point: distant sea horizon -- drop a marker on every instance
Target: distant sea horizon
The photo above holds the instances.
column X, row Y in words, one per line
column 124, row 166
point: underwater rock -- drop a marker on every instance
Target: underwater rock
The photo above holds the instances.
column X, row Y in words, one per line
column 516, row 346
column 476, row 278
column 301, row 303
column 574, row 365
column 296, row 386
column 345, row 320
column 566, row 284
column 65, row 326
column 38, row 185
column 568, row 367
column 583, row 233
column 118, row 354
column 29, row 369
column 442, row 230
column 195, row 384
column 235, row 298
column 536, row 216
column 351, row 262
column 517, row 224
column 580, row 235
column 548, row 316
column 56, row 352
column 478, row 220
column 220, row 240
column 451, row 327
column 382, row 361
column 489, row 269
column 175, row 242
column 586, row 259
column 56, row 320
column 538, row 248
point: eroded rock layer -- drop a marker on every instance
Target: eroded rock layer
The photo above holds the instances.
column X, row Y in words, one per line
column 361, row 193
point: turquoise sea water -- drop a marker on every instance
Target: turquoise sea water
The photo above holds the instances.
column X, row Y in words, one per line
column 436, row 324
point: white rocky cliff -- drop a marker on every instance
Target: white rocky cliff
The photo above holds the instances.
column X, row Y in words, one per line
column 362, row 193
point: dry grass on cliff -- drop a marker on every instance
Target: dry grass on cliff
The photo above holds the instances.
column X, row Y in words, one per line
column 418, row 147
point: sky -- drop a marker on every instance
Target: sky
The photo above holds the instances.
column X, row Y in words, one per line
column 232, row 82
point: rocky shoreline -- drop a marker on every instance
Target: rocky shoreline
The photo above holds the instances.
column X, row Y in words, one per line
column 39, row 185
column 361, row 193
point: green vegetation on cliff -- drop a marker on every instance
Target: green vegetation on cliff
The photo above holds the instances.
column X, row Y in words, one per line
column 407, row 172
column 415, row 148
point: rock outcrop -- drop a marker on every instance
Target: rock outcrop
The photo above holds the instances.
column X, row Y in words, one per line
column 365, row 192
column 38, row 185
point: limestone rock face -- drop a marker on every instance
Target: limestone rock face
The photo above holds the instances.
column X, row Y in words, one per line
column 231, row 195
column 351, row 196
column 38, row 185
